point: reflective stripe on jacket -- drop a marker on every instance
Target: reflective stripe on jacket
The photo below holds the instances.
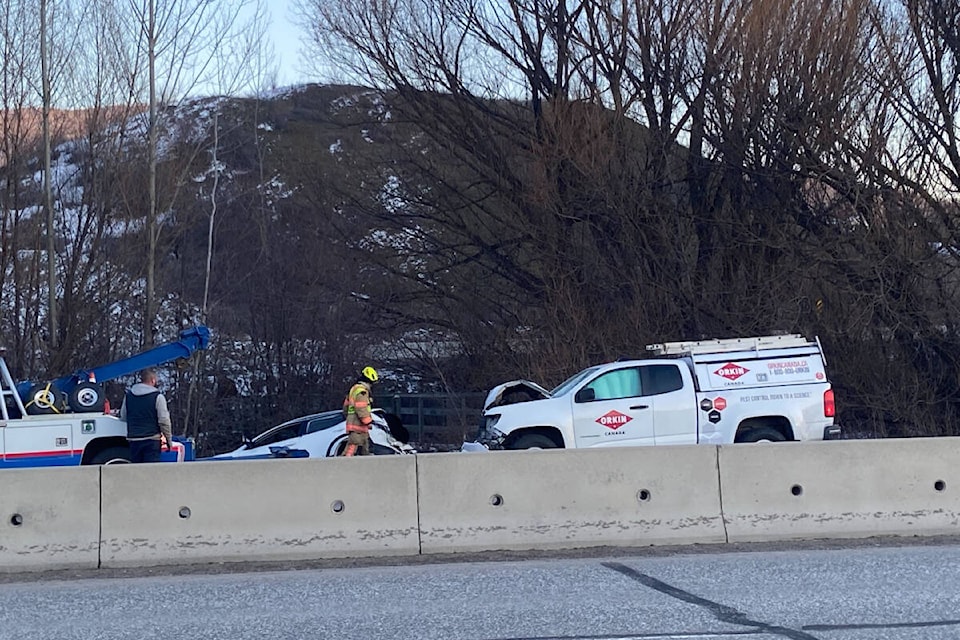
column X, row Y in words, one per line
column 356, row 407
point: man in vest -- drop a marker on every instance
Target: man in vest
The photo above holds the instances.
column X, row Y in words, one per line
column 356, row 408
column 148, row 419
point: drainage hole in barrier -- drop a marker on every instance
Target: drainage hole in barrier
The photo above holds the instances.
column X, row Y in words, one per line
column 796, row 490
column 940, row 485
column 643, row 495
column 184, row 512
column 338, row 506
column 16, row 519
column 496, row 500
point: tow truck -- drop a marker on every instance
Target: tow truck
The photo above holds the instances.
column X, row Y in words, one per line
column 67, row 421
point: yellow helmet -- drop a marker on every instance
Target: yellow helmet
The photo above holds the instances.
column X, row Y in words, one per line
column 369, row 374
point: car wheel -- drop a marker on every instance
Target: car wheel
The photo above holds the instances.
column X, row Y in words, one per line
column 337, row 448
column 533, row 441
column 761, row 434
column 112, row 455
column 87, row 397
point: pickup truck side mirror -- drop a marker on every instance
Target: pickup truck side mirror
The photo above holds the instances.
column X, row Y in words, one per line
column 587, row 394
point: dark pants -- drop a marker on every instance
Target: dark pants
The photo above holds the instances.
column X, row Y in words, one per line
column 144, row 450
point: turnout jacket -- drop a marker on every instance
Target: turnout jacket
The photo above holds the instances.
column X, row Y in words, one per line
column 356, row 408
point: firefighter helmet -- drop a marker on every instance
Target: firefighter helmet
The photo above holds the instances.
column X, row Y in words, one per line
column 369, row 374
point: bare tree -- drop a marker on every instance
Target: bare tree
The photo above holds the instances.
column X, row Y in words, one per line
column 20, row 255
column 53, row 338
column 241, row 64
column 178, row 41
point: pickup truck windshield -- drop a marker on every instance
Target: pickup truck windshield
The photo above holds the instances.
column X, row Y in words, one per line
column 573, row 380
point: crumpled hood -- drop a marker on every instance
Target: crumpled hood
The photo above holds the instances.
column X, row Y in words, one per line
column 514, row 392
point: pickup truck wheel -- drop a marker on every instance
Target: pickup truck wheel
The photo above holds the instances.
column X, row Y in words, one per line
column 533, row 441
column 761, row 434
column 87, row 397
column 112, row 455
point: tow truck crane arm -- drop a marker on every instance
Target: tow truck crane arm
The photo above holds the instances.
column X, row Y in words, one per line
column 82, row 387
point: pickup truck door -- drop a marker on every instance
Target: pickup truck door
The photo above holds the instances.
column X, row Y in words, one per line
column 669, row 389
column 609, row 410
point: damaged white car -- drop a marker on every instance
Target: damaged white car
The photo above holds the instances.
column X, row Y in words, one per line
column 321, row 435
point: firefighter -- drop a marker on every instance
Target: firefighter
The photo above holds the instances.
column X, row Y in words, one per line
column 356, row 408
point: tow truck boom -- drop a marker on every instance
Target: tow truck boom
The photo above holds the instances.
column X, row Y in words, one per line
column 82, row 388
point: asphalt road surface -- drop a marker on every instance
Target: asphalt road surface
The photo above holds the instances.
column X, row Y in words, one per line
column 862, row 593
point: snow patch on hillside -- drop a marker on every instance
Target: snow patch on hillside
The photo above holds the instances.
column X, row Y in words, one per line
column 275, row 190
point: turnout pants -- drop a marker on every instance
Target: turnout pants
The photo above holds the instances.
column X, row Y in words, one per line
column 358, row 444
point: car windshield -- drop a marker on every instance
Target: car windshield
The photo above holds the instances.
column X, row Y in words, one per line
column 573, row 380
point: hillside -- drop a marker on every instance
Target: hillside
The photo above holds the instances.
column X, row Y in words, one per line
column 456, row 243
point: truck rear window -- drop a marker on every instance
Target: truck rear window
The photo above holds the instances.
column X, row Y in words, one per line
column 660, row 378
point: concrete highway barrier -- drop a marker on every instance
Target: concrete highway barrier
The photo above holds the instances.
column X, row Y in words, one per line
column 258, row 510
column 142, row 515
column 568, row 499
column 841, row 489
column 51, row 519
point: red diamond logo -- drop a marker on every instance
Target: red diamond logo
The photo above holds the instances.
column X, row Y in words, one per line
column 614, row 419
column 731, row 371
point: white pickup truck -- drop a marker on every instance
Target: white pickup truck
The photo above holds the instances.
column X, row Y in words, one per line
column 766, row 388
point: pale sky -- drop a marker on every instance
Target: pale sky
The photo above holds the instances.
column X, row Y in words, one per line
column 287, row 44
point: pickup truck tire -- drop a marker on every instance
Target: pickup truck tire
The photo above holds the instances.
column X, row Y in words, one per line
column 111, row 455
column 761, row 434
column 533, row 441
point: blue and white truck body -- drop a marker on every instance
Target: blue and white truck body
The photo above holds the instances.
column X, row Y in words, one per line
column 65, row 421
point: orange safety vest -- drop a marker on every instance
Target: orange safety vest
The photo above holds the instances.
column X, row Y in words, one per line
column 356, row 407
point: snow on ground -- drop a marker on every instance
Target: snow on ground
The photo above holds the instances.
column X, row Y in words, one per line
column 281, row 93
column 275, row 190
column 391, row 196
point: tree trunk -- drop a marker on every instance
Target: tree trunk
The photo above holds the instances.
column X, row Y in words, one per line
column 149, row 311
column 53, row 340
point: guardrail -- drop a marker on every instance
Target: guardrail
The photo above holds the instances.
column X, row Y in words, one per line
column 142, row 515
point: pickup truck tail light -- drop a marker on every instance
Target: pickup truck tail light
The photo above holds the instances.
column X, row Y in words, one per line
column 829, row 408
